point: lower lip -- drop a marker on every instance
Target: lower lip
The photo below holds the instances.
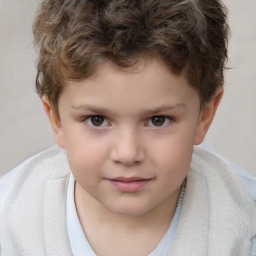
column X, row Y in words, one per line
column 129, row 186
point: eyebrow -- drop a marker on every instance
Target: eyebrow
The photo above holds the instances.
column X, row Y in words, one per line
column 152, row 111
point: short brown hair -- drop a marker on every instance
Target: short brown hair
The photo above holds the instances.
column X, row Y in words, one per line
column 74, row 37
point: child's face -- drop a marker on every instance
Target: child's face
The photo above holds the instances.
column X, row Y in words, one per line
column 129, row 135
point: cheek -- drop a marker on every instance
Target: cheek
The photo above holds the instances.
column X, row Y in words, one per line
column 173, row 156
column 175, row 161
column 85, row 167
column 174, row 169
column 86, row 156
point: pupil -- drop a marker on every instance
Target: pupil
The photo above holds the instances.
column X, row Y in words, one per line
column 97, row 120
column 158, row 120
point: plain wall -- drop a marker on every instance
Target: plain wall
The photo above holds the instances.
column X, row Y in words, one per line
column 24, row 129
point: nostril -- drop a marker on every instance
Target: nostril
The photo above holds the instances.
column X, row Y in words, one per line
column 128, row 157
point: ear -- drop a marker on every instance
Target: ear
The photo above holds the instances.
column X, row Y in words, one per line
column 55, row 122
column 206, row 116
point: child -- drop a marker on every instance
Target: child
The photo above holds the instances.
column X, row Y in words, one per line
column 130, row 88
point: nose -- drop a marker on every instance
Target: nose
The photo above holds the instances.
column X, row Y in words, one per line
column 128, row 148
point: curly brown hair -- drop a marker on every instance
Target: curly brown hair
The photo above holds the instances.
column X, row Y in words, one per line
column 75, row 37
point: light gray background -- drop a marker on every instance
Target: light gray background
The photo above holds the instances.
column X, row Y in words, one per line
column 24, row 129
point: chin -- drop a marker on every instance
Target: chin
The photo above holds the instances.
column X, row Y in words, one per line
column 129, row 210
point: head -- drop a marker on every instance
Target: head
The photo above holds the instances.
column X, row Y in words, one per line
column 129, row 88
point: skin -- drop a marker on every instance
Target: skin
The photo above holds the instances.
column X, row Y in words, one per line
column 147, row 121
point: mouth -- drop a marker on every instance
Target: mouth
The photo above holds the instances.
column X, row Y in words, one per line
column 129, row 185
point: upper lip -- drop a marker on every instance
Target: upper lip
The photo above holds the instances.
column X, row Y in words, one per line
column 126, row 179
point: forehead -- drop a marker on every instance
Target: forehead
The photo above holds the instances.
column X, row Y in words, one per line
column 143, row 70
column 148, row 82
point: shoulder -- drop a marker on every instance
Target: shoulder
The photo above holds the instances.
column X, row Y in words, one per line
column 32, row 204
column 46, row 164
column 247, row 178
column 206, row 156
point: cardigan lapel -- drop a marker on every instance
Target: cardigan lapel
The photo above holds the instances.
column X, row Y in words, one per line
column 191, row 234
column 55, row 234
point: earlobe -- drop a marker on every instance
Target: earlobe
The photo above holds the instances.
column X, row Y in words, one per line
column 206, row 116
column 54, row 121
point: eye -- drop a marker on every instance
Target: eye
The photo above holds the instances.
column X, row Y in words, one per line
column 96, row 121
column 159, row 121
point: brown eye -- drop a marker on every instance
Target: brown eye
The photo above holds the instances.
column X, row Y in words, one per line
column 159, row 121
column 96, row 120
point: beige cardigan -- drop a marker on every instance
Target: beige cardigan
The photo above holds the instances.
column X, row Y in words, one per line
column 218, row 216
